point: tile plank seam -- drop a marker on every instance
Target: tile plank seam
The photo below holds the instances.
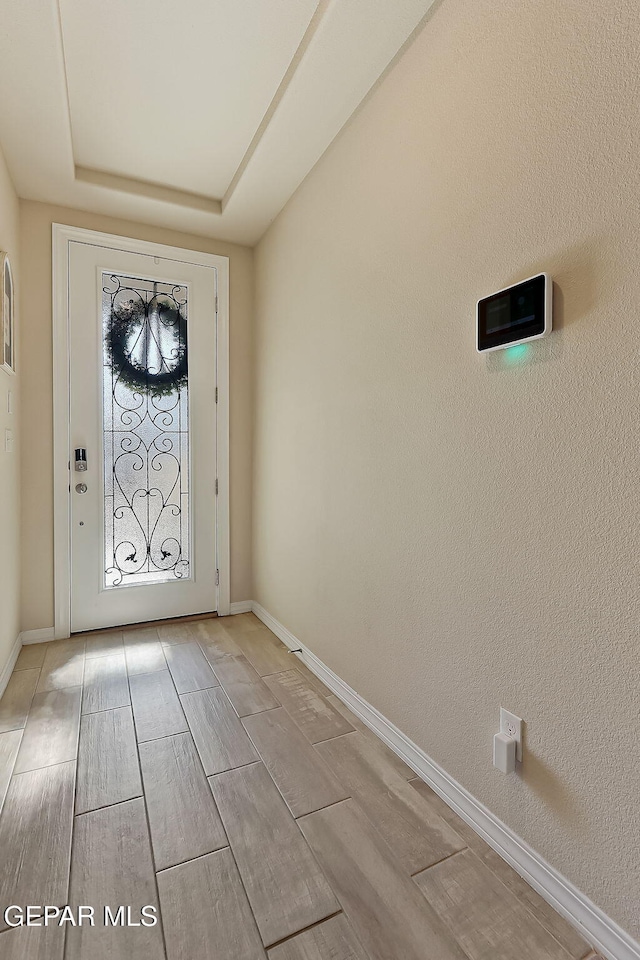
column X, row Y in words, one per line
column 243, row 766
column 436, row 863
column 21, row 729
column 201, row 856
column 46, row 766
column 93, row 713
column 347, row 733
column 146, row 817
column 237, row 766
column 33, row 693
column 311, row 926
column 13, row 766
column 107, row 806
column 73, row 822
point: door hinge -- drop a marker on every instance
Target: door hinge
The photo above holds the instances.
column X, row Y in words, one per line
column 217, row 578
column 216, row 486
column 216, row 394
column 216, row 302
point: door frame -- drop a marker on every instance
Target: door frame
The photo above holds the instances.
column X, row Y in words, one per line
column 62, row 236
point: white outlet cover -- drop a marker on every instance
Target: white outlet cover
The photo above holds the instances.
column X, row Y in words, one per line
column 512, row 727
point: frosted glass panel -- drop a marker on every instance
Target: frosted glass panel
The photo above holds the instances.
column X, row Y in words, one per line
column 146, row 431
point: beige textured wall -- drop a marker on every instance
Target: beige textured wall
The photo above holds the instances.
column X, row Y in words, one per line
column 10, row 540
column 37, row 451
column 450, row 532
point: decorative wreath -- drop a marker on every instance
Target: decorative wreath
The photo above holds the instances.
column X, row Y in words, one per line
column 126, row 326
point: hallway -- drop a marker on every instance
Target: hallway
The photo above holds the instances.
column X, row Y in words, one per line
column 200, row 769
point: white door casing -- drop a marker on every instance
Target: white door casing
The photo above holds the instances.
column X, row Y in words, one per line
column 83, row 598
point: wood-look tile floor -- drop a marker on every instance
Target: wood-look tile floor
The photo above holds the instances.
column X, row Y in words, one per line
column 200, row 769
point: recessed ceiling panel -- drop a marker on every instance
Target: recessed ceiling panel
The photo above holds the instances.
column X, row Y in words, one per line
column 173, row 93
column 203, row 117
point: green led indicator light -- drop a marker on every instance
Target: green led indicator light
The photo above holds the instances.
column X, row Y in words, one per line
column 517, row 352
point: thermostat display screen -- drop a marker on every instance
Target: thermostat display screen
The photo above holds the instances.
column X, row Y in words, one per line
column 515, row 314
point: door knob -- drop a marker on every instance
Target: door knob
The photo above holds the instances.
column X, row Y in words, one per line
column 81, row 488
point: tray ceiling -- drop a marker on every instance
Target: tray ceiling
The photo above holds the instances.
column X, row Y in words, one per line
column 204, row 116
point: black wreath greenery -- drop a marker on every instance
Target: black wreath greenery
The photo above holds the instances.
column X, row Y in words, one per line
column 127, row 319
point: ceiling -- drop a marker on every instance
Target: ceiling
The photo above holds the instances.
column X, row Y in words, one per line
column 203, row 115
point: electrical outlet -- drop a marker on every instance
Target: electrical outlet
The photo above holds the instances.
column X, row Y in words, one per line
column 511, row 726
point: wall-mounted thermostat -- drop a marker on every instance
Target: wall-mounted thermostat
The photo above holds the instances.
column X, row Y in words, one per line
column 514, row 315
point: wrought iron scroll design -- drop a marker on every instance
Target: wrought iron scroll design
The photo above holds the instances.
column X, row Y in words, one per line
column 146, row 431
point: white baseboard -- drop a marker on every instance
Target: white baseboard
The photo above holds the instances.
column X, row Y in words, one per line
column 37, row 636
column 5, row 674
column 241, row 606
column 594, row 925
column 48, row 633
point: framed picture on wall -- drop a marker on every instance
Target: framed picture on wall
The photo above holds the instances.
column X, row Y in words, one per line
column 7, row 332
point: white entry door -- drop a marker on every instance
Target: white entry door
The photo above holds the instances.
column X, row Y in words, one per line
column 142, row 421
